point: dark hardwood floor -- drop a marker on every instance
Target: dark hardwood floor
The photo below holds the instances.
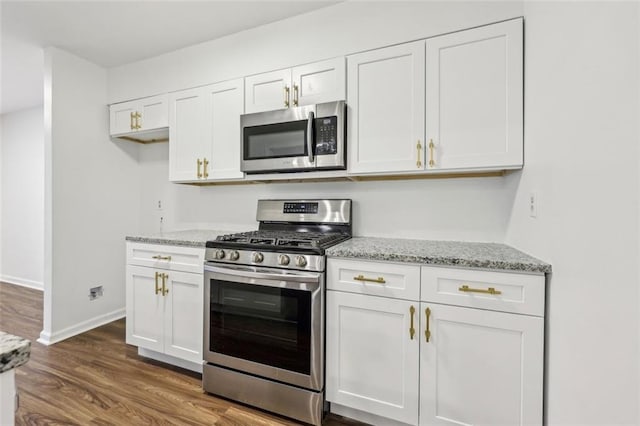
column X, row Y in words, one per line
column 95, row 378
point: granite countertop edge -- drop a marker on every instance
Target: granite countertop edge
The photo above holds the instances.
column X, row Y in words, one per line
column 187, row 238
column 489, row 256
column 14, row 351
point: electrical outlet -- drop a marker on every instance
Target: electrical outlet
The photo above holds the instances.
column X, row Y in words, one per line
column 95, row 292
column 159, row 206
column 533, row 204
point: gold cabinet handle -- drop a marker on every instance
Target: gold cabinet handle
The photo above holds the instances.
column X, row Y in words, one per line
column 286, row 96
column 295, row 95
column 138, row 116
column 419, row 148
column 378, row 280
column 205, row 164
column 165, row 290
column 412, row 331
column 131, row 118
column 157, row 287
column 427, row 331
column 465, row 288
column 199, row 162
column 159, row 257
column 431, row 148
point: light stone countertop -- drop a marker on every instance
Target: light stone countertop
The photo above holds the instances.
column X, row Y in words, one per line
column 492, row 256
column 189, row 238
column 14, row 351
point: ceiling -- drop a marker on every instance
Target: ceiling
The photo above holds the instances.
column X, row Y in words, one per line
column 112, row 33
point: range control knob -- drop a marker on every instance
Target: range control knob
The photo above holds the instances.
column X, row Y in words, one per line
column 283, row 259
column 301, row 261
column 234, row 255
column 219, row 254
column 257, row 257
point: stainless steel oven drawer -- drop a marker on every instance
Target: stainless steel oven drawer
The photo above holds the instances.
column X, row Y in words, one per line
column 290, row 401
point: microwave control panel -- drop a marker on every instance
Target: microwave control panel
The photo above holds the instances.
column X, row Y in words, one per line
column 326, row 135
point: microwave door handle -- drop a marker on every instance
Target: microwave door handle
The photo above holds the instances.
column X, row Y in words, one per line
column 310, row 136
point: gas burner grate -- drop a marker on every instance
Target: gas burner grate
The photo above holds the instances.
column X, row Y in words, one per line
column 284, row 238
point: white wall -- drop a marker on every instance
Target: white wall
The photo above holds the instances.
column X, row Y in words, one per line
column 475, row 209
column 581, row 155
column 91, row 202
column 22, row 192
column 581, row 152
column 470, row 209
column 345, row 28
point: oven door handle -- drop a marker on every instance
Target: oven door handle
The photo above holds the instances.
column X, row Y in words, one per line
column 248, row 273
column 310, row 136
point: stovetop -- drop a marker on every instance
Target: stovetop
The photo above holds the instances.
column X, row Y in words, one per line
column 285, row 239
column 291, row 234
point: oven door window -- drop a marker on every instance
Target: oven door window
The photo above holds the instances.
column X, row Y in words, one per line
column 267, row 325
column 279, row 140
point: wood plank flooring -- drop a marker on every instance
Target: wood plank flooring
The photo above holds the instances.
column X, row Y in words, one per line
column 95, row 378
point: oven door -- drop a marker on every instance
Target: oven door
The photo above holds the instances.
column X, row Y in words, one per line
column 265, row 321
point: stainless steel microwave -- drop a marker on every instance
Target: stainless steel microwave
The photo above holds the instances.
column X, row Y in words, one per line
column 305, row 138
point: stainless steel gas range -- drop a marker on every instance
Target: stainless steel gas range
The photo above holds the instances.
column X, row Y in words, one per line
column 265, row 307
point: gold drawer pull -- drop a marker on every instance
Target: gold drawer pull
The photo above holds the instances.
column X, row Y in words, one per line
column 165, row 290
column 427, row 332
column 419, row 161
column 157, row 288
column 468, row 289
column 378, row 280
column 431, row 148
column 286, row 96
column 412, row 331
column 161, row 257
column 205, row 164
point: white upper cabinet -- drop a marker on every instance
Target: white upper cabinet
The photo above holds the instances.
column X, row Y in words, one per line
column 385, row 99
column 224, row 103
column 268, row 91
column 187, row 146
column 303, row 85
column 142, row 120
column 318, row 82
column 205, row 133
column 474, row 98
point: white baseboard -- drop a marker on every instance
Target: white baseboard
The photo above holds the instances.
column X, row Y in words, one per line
column 23, row 282
column 188, row 365
column 47, row 338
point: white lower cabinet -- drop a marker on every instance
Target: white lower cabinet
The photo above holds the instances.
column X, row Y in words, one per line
column 164, row 306
column 480, row 367
column 372, row 358
column 478, row 363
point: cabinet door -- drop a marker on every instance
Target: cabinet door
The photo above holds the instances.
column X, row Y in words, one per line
column 372, row 361
column 224, row 103
column 319, row 82
column 480, row 367
column 186, row 146
column 385, row 99
column 144, row 308
column 154, row 112
column 474, row 98
column 268, row 91
column 121, row 118
column 184, row 315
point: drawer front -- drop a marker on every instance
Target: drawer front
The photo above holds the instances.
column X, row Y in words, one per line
column 496, row 291
column 399, row 281
column 172, row 258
